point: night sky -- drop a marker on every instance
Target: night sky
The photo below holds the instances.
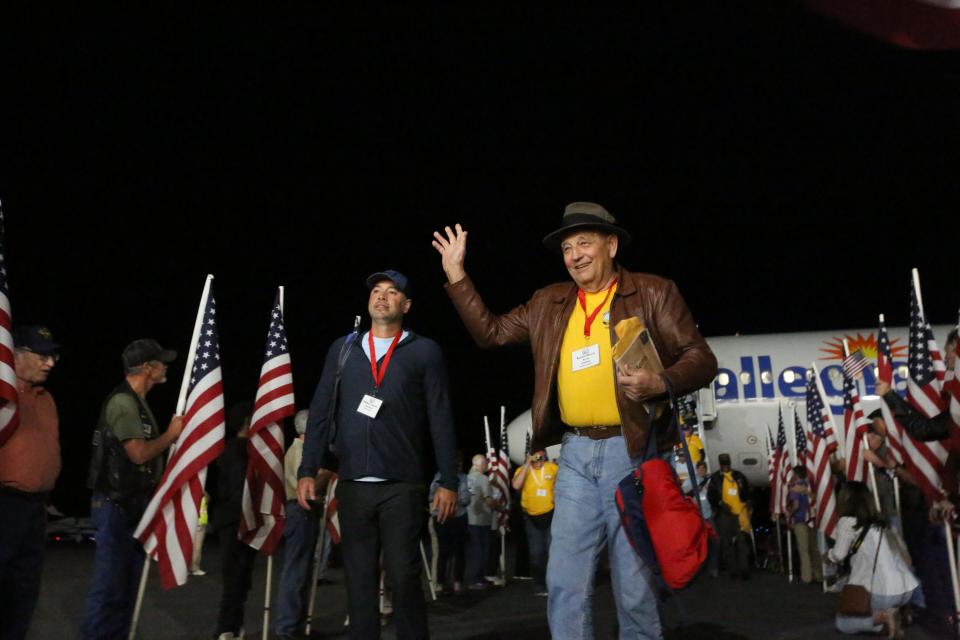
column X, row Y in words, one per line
column 785, row 171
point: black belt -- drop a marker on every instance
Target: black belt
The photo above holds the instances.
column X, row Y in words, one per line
column 597, row 433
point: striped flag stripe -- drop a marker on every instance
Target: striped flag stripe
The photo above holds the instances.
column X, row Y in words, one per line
column 9, row 401
column 168, row 524
column 264, row 494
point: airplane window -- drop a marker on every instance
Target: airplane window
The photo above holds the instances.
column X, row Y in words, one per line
column 745, row 377
column 789, row 376
column 903, row 371
column 766, row 377
column 723, row 379
column 749, row 462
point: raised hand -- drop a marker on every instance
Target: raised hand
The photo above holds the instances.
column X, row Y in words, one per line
column 452, row 248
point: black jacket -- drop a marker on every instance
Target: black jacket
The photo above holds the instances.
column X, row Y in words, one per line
column 231, row 472
column 917, row 425
column 416, row 400
column 715, row 490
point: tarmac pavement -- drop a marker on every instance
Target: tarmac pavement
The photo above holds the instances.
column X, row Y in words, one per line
column 763, row 608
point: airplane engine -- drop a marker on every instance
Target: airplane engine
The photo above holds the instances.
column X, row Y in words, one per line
column 517, row 432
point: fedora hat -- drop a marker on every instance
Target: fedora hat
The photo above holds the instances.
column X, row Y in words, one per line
column 585, row 215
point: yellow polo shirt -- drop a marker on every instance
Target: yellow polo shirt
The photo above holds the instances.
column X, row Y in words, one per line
column 695, row 444
column 588, row 396
column 536, row 497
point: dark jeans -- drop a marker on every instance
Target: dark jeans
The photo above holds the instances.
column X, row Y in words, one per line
column 538, row 538
column 477, row 552
column 734, row 544
column 452, row 544
column 117, row 565
column 299, row 538
column 23, row 530
column 387, row 517
column 237, row 573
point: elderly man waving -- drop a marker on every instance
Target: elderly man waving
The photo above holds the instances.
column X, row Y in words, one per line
column 580, row 398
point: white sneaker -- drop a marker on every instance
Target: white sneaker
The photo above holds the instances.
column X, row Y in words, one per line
column 226, row 636
column 197, row 572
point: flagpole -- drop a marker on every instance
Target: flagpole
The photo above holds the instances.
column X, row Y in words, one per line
column 773, row 489
column 316, row 565
column 181, row 404
column 486, row 428
column 266, row 596
column 426, row 569
column 916, row 287
column 503, row 529
column 789, row 555
column 136, row 608
column 194, row 341
column 952, row 555
column 266, row 603
column 821, row 547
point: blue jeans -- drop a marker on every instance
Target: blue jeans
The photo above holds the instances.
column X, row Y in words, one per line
column 478, row 549
column 585, row 519
column 299, row 537
column 117, row 565
column 538, row 540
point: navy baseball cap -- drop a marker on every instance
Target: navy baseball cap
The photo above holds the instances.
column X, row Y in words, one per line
column 398, row 279
column 36, row 338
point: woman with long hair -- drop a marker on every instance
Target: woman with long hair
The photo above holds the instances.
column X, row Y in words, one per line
column 879, row 562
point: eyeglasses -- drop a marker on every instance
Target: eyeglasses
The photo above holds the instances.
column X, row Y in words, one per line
column 539, row 458
column 52, row 357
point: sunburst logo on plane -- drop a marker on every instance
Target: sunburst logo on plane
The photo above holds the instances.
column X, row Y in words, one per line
column 868, row 345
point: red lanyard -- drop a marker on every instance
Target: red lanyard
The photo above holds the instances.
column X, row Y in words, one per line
column 590, row 317
column 378, row 374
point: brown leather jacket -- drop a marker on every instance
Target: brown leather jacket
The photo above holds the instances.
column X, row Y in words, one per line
column 689, row 364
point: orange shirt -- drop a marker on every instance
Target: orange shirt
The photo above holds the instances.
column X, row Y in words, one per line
column 30, row 460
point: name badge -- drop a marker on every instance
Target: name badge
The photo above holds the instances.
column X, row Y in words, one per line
column 369, row 406
column 586, row 357
column 542, row 493
column 731, row 492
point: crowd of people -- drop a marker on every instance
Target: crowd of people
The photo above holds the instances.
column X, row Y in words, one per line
column 383, row 402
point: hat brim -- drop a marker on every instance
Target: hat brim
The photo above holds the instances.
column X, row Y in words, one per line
column 374, row 278
column 553, row 240
column 166, row 355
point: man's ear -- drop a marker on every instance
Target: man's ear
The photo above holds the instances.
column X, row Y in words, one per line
column 613, row 243
column 406, row 306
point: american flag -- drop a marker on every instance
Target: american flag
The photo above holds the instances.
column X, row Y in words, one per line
column 884, row 354
column 923, row 387
column 822, row 479
column 855, row 426
column 167, row 527
column 9, row 415
column 262, row 518
column 500, row 477
column 772, row 459
column 804, row 455
column 924, row 460
column 854, row 363
column 777, row 461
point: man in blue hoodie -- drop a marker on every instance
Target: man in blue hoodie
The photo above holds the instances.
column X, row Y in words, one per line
column 380, row 394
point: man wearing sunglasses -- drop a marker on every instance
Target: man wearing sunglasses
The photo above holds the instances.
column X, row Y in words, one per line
column 29, row 466
column 534, row 480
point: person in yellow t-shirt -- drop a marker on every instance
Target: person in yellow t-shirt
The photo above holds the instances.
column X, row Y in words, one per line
column 694, row 443
column 534, row 480
column 729, row 495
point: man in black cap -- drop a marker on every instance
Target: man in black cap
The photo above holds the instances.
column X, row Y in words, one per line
column 126, row 465
column 29, row 466
column 597, row 410
column 379, row 395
